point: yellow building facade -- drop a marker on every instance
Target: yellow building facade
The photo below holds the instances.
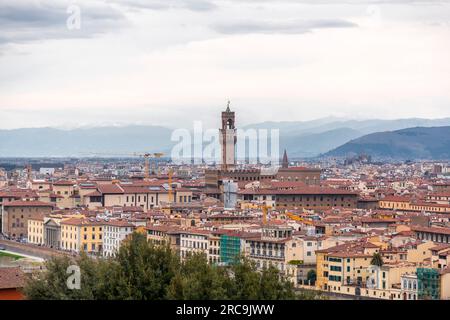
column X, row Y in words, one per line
column 82, row 234
column 36, row 231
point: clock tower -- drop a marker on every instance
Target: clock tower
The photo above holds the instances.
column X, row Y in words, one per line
column 228, row 139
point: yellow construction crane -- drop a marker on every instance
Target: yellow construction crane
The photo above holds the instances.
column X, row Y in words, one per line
column 265, row 209
column 157, row 155
column 297, row 218
column 146, row 156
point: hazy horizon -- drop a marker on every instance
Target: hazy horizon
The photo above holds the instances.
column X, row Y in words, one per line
column 329, row 119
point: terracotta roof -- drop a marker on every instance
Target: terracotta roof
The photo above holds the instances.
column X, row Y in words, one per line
column 429, row 204
column 18, row 193
column 118, row 223
column 286, row 184
column 375, row 220
column 349, row 247
column 439, row 194
column 396, row 199
column 11, row 278
column 82, row 222
column 93, row 194
column 64, row 183
column 163, row 228
column 21, row 203
column 440, row 247
column 431, row 230
column 110, row 189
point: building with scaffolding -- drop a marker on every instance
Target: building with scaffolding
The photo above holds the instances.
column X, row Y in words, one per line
column 230, row 248
column 428, row 281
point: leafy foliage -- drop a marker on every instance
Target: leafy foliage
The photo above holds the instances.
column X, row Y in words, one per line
column 143, row 271
column 377, row 260
column 311, row 276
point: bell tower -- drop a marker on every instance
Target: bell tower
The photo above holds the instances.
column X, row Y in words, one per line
column 285, row 162
column 228, row 139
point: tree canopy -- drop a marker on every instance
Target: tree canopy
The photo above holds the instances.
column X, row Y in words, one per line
column 377, row 260
column 144, row 271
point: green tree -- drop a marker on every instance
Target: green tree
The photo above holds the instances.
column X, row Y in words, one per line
column 244, row 280
column 198, row 280
column 377, row 260
column 143, row 271
column 52, row 284
column 275, row 286
column 140, row 271
column 311, row 276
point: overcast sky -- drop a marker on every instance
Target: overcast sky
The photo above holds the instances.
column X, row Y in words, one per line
column 170, row 62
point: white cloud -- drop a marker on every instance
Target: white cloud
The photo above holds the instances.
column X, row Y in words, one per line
column 28, row 20
column 172, row 66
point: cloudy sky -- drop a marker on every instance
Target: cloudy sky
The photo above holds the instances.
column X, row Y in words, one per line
column 170, row 62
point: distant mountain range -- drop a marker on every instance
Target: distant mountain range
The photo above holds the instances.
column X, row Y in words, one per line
column 102, row 141
column 311, row 138
column 300, row 138
column 418, row 143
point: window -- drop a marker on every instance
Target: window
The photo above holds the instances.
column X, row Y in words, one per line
column 335, row 268
column 334, row 259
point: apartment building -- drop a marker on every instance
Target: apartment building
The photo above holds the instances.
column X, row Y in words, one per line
column 406, row 204
column 435, row 234
column 114, row 232
column 16, row 214
column 82, row 234
column 165, row 235
column 146, row 197
column 63, row 193
column 275, row 246
column 214, row 248
column 46, row 230
column 194, row 241
column 409, row 286
column 14, row 194
column 36, row 230
column 344, row 264
column 308, row 197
